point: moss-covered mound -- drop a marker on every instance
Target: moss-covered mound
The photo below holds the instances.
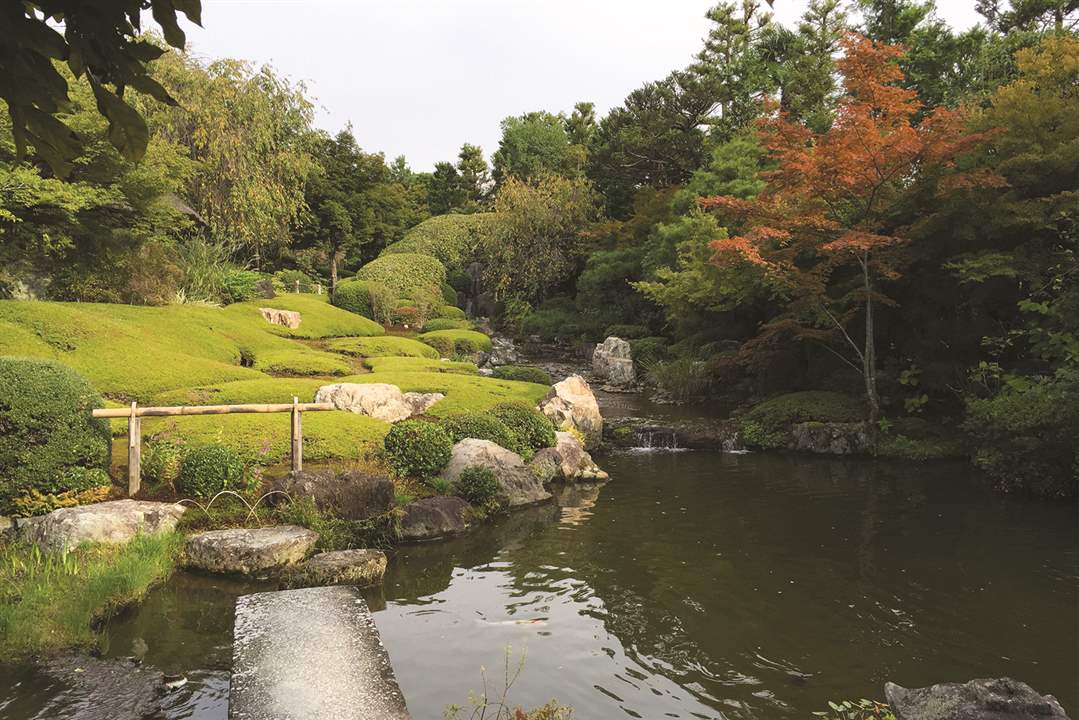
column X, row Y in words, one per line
column 406, row 274
column 768, row 424
column 385, row 346
column 459, row 341
column 453, row 238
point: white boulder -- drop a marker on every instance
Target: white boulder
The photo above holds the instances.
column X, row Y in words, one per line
column 285, row 318
column 571, row 404
column 378, row 400
column 612, row 362
column 518, row 484
column 114, row 522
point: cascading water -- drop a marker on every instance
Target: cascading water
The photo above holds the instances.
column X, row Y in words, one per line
column 655, row 438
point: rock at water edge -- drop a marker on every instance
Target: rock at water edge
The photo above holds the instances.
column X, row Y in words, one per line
column 248, row 551
column 518, row 485
column 571, row 404
column 350, row 495
column 987, row 699
column 113, row 522
column 435, row 517
column 362, row 568
column 612, row 362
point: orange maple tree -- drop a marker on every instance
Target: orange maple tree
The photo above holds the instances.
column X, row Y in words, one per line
column 830, row 202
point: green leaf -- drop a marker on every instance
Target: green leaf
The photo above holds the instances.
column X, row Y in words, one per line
column 164, row 13
column 191, row 8
column 127, row 129
column 149, row 86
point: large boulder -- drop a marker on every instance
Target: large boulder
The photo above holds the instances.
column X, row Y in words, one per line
column 419, row 403
column 571, row 404
column 286, row 318
column 249, row 551
column 612, row 362
column 435, row 517
column 830, row 438
column 340, row 567
column 567, row 460
column 351, row 495
column 115, row 522
column 518, row 485
column 992, row 699
column 378, row 400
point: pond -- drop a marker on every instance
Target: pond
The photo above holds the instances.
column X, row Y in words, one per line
column 695, row 585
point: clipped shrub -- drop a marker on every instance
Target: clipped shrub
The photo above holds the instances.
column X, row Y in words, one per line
column 524, row 374
column 405, row 273
column 532, row 428
column 370, row 299
column 239, row 285
column 481, row 427
column 450, row 311
column 460, row 341
column 49, row 443
column 409, row 315
column 446, row 324
column 683, row 379
column 208, row 469
column 417, row 449
column 162, row 461
column 768, row 424
column 449, row 295
column 441, row 343
column 453, row 238
column 477, row 485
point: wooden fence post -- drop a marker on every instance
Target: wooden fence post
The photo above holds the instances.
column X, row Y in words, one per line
column 297, row 436
column 134, row 451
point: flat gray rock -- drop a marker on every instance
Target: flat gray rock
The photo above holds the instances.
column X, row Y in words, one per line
column 340, row 567
column 115, row 522
column 435, row 517
column 248, row 551
column 989, row 699
column 310, row 654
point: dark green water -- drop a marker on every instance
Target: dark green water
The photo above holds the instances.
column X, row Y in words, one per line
column 698, row 585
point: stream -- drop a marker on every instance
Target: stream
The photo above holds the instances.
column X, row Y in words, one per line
column 692, row 585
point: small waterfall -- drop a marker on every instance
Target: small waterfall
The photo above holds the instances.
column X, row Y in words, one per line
column 655, row 438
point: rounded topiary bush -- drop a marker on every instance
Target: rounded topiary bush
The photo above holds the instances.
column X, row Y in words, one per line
column 481, row 427
column 531, row 427
column 363, row 298
column 524, row 374
column 449, row 295
column 49, row 443
column 446, row 324
column 477, row 485
column 405, row 274
column 444, row 345
column 417, row 449
column 208, row 469
column 451, row 311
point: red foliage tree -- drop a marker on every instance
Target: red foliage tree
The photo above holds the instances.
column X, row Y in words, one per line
column 831, row 201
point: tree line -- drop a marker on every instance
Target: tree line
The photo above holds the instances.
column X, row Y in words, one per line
column 867, row 201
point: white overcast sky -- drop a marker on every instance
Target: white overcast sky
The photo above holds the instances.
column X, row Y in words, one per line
column 420, row 77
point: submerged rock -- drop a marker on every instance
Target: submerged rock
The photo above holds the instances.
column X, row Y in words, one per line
column 378, row 400
column 435, row 517
column 830, row 438
column 990, row 699
column 248, row 551
column 518, row 485
column 116, row 522
column 341, row 567
column 612, row 362
column 351, row 495
column 96, row 689
column 571, row 404
column 286, row 318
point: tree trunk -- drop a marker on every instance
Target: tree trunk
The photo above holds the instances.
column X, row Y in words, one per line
column 333, row 272
column 869, row 355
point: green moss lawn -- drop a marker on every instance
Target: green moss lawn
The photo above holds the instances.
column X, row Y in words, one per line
column 197, row 355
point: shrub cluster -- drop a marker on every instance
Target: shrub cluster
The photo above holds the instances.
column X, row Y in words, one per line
column 49, row 443
column 417, row 449
column 452, row 238
column 446, row 324
column 523, row 373
column 405, row 273
column 208, row 469
column 768, row 424
column 450, row 311
column 162, row 461
column 532, row 428
column 481, row 427
column 370, row 299
column 457, row 341
column 285, row 281
column 477, row 485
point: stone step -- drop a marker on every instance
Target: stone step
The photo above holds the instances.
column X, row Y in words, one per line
column 309, row 654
